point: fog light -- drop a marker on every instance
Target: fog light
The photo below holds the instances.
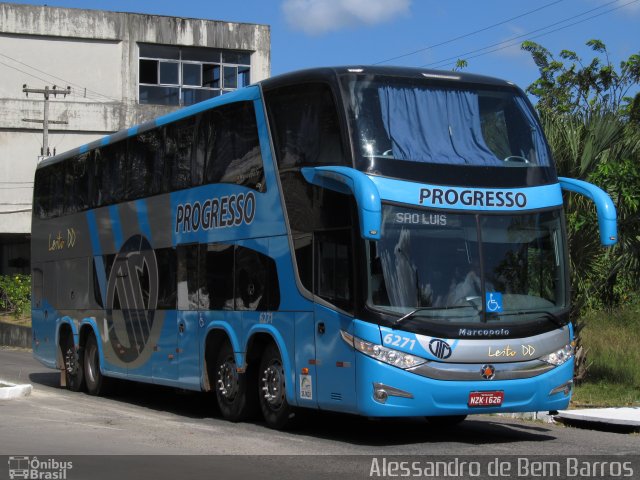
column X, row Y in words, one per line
column 380, row 395
column 564, row 388
column 382, row 392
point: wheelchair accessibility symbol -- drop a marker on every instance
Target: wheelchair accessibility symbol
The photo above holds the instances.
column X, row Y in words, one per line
column 494, row 302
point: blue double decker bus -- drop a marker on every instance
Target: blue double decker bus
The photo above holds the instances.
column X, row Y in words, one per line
column 371, row 240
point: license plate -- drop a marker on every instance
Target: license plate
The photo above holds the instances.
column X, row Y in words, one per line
column 485, row 399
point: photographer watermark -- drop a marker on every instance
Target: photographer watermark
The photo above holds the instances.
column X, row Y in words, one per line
column 35, row 468
column 504, row 467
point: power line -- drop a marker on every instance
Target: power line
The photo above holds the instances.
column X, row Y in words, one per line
column 34, row 76
column 26, row 73
column 510, row 42
column 54, row 76
column 469, row 34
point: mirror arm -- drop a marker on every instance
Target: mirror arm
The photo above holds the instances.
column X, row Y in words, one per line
column 352, row 182
column 604, row 206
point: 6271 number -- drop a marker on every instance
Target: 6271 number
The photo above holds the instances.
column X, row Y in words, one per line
column 398, row 341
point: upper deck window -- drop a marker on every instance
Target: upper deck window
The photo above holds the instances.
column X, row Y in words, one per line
column 305, row 126
column 418, row 122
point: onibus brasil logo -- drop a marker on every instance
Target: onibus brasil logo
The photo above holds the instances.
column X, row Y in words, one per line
column 40, row 469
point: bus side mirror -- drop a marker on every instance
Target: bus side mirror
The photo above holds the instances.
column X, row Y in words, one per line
column 604, row 206
column 351, row 182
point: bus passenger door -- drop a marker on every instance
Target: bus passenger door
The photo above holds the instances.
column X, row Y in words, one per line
column 335, row 360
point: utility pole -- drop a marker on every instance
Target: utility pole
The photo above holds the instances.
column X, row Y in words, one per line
column 47, row 92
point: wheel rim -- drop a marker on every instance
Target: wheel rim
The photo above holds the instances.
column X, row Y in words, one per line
column 91, row 364
column 273, row 385
column 228, row 380
column 71, row 361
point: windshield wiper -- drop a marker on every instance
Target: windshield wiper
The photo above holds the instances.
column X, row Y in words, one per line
column 422, row 309
column 552, row 317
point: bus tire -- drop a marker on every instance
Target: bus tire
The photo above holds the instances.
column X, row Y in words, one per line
column 231, row 387
column 97, row 384
column 73, row 364
column 277, row 412
column 446, row 420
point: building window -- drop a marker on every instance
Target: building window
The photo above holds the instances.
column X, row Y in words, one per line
column 170, row 75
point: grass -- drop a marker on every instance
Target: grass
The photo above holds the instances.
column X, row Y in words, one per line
column 612, row 340
column 23, row 320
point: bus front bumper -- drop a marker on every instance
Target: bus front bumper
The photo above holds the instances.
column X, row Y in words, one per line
column 409, row 394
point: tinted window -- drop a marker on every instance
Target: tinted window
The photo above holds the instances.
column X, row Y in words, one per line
column 145, row 162
column 56, row 189
column 334, row 279
column 76, row 184
column 167, row 275
column 178, row 145
column 38, row 284
column 97, row 291
column 321, row 221
column 303, row 246
column 233, row 147
column 256, row 281
column 218, row 265
column 204, row 143
column 41, row 197
column 111, row 164
column 304, row 124
column 188, row 281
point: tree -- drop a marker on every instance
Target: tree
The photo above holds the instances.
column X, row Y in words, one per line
column 579, row 87
column 593, row 129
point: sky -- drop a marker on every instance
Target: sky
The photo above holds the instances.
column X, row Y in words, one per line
column 417, row 33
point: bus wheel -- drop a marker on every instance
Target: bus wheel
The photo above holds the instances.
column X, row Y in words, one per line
column 97, row 384
column 446, row 421
column 271, row 390
column 73, row 365
column 230, row 386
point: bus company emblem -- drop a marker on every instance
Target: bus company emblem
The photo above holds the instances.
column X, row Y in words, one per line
column 440, row 348
column 226, row 211
column 473, row 198
column 488, row 372
column 132, row 297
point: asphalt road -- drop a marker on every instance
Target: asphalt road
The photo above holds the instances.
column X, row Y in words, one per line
column 148, row 420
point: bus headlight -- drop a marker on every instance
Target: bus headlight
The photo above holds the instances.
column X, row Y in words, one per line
column 387, row 355
column 559, row 357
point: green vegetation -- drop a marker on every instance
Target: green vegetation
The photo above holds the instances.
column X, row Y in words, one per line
column 611, row 340
column 15, row 296
column 593, row 128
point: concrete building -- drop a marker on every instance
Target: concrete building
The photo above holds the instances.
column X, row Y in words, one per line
column 116, row 70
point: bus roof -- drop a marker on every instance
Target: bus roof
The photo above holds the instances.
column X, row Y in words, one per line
column 328, row 74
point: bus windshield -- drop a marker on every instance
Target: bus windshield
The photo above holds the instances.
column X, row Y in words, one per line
column 405, row 119
column 453, row 267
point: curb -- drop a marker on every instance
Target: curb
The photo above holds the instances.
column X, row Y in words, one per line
column 621, row 416
column 9, row 391
column 535, row 416
column 15, row 335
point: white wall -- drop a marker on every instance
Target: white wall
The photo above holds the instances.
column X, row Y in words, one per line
column 42, row 45
column 37, row 61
